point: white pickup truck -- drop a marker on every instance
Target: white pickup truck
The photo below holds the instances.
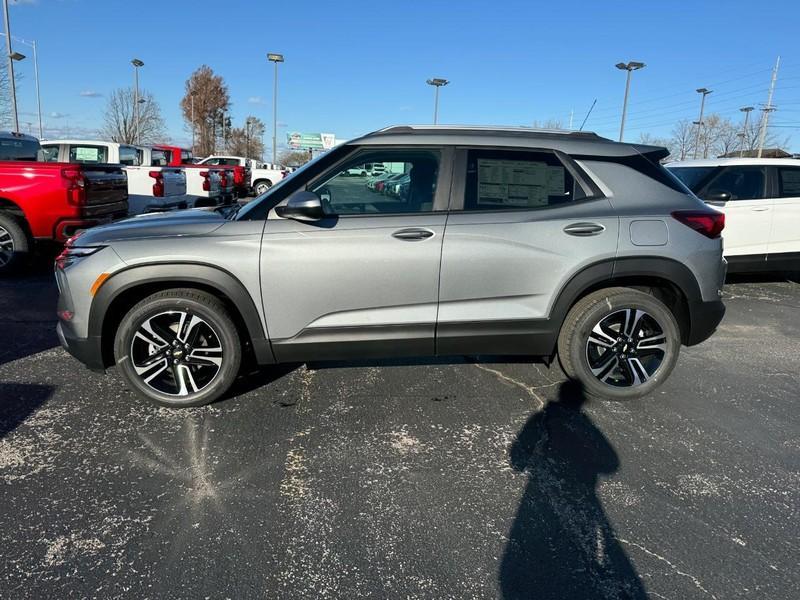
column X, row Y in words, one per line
column 262, row 175
column 203, row 186
column 150, row 188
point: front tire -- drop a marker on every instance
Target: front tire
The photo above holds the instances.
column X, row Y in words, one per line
column 262, row 186
column 15, row 245
column 620, row 343
column 178, row 348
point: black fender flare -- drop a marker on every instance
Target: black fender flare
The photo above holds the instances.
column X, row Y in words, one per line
column 607, row 271
column 174, row 274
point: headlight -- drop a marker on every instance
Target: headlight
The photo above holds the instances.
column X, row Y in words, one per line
column 70, row 255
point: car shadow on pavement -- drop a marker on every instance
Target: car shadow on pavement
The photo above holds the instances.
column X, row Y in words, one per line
column 18, row 401
column 561, row 544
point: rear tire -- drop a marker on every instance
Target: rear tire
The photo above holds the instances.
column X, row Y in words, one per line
column 620, row 343
column 15, row 245
column 262, row 186
column 178, row 348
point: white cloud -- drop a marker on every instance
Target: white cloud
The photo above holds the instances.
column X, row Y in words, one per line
column 58, row 115
column 90, row 94
column 256, row 100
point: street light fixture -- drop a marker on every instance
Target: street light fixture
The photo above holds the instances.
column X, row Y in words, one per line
column 705, row 92
column 746, row 110
column 17, row 56
column 275, row 58
column 136, row 64
column 437, row 82
column 629, row 67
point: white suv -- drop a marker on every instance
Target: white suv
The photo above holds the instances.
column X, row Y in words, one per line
column 761, row 201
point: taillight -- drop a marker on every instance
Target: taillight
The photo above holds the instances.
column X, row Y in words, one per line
column 709, row 223
column 158, row 186
column 238, row 176
column 206, row 182
column 76, row 186
column 285, row 174
column 223, row 179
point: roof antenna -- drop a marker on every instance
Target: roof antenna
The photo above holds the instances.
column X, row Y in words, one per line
column 591, row 108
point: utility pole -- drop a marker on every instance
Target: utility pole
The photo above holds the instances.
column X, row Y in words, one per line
column 768, row 108
column 746, row 110
column 10, row 57
column 191, row 99
column 705, row 92
column 629, row 67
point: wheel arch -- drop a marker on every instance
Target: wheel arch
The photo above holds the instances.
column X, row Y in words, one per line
column 667, row 279
column 10, row 207
column 127, row 287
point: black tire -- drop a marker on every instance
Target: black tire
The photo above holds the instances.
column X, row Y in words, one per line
column 261, row 186
column 633, row 366
column 15, row 245
column 185, row 379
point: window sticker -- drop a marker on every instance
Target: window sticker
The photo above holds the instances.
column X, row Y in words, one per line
column 518, row 183
column 89, row 154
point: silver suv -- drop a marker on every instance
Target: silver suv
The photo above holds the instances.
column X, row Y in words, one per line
column 504, row 241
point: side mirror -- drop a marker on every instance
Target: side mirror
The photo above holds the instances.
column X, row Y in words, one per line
column 717, row 196
column 302, row 206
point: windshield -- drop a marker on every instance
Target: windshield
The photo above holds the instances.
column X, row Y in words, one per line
column 692, row 177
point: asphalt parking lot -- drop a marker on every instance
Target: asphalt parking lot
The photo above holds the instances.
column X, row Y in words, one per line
column 459, row 479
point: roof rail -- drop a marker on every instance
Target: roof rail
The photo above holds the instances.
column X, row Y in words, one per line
column 484, row 130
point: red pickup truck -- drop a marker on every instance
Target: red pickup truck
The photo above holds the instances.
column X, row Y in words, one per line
column 51, row 201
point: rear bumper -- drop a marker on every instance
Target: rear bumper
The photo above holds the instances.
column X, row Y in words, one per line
column 705, row 317
column 86, row 350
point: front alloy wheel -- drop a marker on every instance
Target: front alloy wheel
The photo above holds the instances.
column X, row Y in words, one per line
column 178, row 347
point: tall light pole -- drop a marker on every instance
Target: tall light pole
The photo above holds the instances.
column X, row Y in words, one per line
column 705, row 92
column 136, row 64
column 768, row 108
column 275, row 58
column 11, row 56
column 746, row 110
column 436, row 82
column 629, row 67
column 32, row 44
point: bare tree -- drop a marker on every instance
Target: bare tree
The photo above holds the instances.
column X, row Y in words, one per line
column 205, row 107
column 119, row 118
column 682, row 140
column 247, row 140
column 293, row 158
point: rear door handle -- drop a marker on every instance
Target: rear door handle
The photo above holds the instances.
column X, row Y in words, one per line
column 584, row 229
column 759, row 208
column 412, row 234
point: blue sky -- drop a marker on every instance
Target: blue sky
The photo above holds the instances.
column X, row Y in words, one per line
column 352, row 67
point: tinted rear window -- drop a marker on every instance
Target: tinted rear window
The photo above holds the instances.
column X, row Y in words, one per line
column 692, row 177
column 11, row 149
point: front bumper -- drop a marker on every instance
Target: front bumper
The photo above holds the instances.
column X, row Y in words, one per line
column 705, row 317
column 87, row 350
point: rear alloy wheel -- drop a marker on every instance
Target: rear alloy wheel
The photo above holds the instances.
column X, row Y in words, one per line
column 178, row 348
column 619, row 343
column 14, row 244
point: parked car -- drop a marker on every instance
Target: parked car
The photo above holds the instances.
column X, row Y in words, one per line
column 556, row 243
column 382, row 186
column 49, row 201
column 260, row 176
column 761, row 201
column 150, row 188
column 373, row 181
column 203, row 183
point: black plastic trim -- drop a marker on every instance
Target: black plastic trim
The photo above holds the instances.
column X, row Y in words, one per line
column 88, row 351
column 174, row 273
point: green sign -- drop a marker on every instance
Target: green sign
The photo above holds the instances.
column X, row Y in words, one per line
column 310, row 141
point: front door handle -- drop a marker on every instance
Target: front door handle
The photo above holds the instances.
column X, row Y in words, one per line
column 412, row 234
column 584, row 229
column 759, row 208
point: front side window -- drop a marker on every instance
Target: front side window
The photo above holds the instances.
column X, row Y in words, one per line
column 129, row 156
column 789, row 182
column 18, row 149
column 88, row 154
column 737, row 183
column 403, row 182
column 510, row 179
column 158, row 158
